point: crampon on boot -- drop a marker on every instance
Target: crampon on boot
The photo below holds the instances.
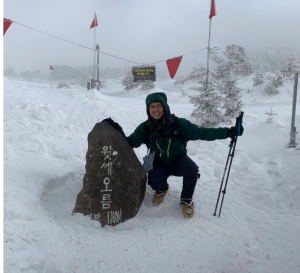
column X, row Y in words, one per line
column 187, row 205
column 158, row 198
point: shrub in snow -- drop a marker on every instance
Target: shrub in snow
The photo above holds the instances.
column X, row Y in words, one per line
column 147, row 85
column 232, row 102
column 270, row 114
column 63, row 84
column 258, row 78
column 207, row 105
column 271, row 89
column 275, row 82
column 291, row 66
column 128, row 81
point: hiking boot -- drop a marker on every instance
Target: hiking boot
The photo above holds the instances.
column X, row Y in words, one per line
column 158, row 197
column 187, row 205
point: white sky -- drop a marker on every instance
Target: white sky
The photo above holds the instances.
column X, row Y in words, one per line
column 142, row 30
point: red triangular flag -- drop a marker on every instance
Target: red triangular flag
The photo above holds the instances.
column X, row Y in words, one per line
column 173, row 65
column 6, row 25
column 95, row 22
column 213, row 11
column 51, row 68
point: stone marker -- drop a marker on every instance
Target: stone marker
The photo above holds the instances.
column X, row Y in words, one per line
column 114, row 184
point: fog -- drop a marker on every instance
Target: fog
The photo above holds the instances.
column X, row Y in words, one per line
column 142, row 31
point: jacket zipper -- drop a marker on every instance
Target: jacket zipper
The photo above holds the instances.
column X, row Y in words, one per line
column 158, row 148
column 168, row 147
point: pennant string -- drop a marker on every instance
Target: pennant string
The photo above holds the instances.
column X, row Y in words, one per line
column 101, row 51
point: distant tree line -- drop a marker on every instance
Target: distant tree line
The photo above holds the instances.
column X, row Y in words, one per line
column 66, row 72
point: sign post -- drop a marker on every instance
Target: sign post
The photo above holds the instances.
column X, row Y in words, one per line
column 293, row 132
column 98, row 81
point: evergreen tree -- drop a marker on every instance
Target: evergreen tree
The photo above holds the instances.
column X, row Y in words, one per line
column 128, row 81
column 270, row 114
column 291, row 65
column 232, row 97
column 207, row 104
column 238, row 60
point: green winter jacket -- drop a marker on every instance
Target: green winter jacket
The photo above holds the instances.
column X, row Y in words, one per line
column 168, row 149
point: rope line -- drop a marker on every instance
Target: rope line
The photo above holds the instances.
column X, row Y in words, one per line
column 75, row 43
column 53, row 36
column 182, row 55
column 99, row 50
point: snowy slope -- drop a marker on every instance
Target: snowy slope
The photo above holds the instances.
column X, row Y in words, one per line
column 45, row 142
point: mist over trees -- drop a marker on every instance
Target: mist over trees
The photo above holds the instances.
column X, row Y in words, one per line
column 10, row 72
column 275, row 67
column 269, row 60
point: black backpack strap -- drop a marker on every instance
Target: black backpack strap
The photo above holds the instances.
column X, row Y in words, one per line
column 147, row 131
column 176, row 130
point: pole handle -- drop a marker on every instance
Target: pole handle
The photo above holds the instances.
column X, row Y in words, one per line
column 238, row 123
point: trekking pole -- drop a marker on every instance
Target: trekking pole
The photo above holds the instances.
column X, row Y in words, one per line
column 232, row 146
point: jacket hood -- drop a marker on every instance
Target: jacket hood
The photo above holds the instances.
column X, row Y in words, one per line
column 159, row 96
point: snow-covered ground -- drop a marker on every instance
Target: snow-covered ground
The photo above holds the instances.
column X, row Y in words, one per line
column 45, row 142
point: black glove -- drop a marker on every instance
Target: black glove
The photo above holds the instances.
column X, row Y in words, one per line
column 233, row 132
column 112, row 123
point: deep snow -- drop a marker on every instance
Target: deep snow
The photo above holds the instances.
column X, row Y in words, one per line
column 45, row 142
